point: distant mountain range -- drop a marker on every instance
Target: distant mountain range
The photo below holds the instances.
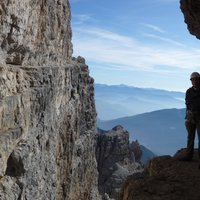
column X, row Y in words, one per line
column 162, row 131
column 117, row 101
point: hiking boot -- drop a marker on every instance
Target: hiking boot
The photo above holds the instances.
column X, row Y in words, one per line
column 199, row 165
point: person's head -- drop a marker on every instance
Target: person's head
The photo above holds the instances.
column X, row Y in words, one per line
column 195, row 79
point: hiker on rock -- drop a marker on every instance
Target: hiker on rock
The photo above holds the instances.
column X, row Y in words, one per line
column 192, row 122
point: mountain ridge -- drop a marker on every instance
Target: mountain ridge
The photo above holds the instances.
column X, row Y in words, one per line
column 162, row 131
column 136, row 87
column 117, row 101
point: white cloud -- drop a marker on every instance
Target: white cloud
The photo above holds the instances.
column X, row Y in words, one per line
column 164, row 39
column 104, row 35
column 106, row 47
column 153, row 27
column 81, row 18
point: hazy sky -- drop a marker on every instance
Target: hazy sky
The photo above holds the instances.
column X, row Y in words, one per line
column 142, row 43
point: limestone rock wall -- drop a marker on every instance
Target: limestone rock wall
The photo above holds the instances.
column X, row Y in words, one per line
column 47, row 109
column 47, row 128
column 191, row 11
column 33, row 32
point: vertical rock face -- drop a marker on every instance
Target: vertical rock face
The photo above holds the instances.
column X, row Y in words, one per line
column 33, row 32
column 47, row 110
column 191, row 11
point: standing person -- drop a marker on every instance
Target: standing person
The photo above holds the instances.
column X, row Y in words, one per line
column 192, row 122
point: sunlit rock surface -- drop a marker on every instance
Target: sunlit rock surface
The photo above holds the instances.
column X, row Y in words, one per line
column 35, row 32
column 47, row 109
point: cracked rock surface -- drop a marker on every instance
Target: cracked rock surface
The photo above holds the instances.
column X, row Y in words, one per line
column 47, row 108
column 35, row 32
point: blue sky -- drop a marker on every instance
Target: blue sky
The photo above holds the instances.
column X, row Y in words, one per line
column 142, row 43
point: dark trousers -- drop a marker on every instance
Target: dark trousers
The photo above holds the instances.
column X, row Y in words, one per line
column 192, row 125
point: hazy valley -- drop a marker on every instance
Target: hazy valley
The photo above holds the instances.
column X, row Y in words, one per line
column 160, row 124
column 116, row 101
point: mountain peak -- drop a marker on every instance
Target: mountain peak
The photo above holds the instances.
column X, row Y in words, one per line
column 118, row 128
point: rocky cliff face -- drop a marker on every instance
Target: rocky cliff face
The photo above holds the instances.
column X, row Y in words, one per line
column 191, row 11
column 165, row 178
column 47, row 110
column 116, row 159
column 35, row 32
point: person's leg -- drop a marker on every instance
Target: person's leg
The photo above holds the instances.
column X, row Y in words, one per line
column 191, row 128
column 198, row 132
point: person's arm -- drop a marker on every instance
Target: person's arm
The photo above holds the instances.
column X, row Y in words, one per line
column 187, row 99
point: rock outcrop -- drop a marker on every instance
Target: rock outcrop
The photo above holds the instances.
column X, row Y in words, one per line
column 47, row 109
column 116, row 160
column 191, row 11
column 165, row 178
